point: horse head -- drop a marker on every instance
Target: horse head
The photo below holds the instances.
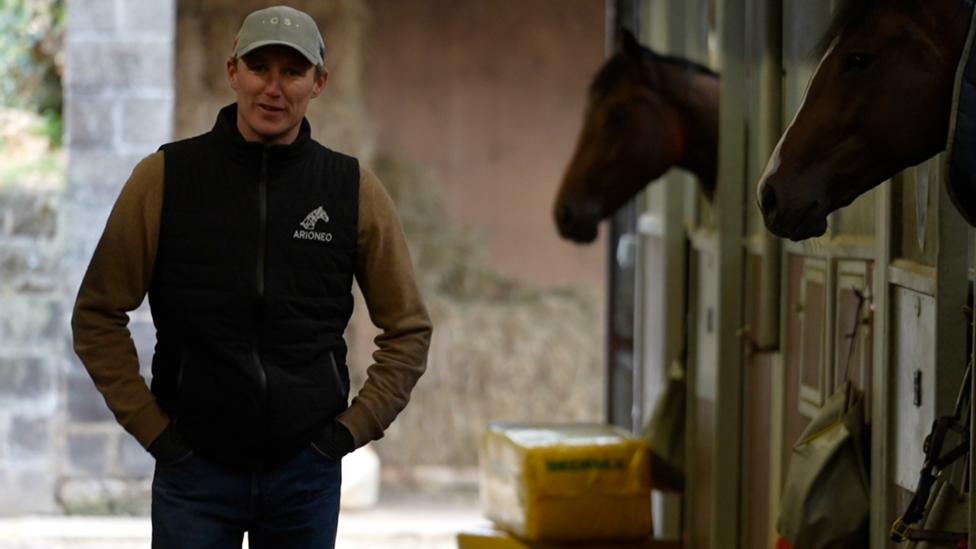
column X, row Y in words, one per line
column 878, row 103
column 645, row 114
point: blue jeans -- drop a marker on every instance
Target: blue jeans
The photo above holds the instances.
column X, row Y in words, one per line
column 196, row 505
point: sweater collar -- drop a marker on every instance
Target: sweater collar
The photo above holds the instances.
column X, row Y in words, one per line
column 226, row 128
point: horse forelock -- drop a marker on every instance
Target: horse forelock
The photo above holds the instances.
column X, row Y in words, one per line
column 610, row 73
column 848, row 16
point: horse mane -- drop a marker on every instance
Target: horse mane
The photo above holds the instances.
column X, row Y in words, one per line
column 617, row 66
column 687, row 64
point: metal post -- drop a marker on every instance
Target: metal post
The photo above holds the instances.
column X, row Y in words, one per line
column 623, row 368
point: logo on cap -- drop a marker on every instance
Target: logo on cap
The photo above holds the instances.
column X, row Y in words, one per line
column 281, row 25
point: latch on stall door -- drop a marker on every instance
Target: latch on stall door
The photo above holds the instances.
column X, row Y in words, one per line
column 917, row 385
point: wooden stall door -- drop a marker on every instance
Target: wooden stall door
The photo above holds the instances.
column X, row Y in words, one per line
column 924, row 291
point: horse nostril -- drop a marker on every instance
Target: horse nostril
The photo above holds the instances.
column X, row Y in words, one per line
column 564, row 215
column 767, row 200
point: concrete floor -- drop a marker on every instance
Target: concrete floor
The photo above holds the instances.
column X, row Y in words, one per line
column 405, row 519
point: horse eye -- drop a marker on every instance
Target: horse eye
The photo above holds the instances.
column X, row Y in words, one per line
column 616, row 115
column 857, row 62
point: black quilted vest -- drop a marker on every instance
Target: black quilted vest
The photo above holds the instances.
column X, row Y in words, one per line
column 252, row 291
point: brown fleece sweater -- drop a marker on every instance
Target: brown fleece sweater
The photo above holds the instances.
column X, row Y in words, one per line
column 121, row 270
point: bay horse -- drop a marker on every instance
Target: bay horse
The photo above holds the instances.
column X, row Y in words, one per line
column 879, row 102
column 646, row 113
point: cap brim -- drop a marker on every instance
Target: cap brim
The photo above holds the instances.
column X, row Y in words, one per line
column 314, row 59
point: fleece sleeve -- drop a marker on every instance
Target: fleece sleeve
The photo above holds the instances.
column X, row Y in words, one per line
column 386, row 276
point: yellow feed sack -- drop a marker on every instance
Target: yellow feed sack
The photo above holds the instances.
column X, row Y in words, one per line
column 566, row 482
column 488, row 538
column 491, row 538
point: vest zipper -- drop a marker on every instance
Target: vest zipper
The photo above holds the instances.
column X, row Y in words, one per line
column 262, row 237
column 262, row 220
column 260, row 434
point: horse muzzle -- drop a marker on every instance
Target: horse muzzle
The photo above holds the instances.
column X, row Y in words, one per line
column 794, row 217
column 578, row 224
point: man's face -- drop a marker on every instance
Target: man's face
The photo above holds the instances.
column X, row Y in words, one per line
column 274, row 85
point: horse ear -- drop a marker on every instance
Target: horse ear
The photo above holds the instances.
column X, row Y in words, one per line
column 627, row 43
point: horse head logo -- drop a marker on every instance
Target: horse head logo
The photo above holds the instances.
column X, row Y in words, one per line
column 314, row 217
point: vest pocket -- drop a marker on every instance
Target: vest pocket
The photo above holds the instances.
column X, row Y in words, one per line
column 219, row 404
column 314, row 389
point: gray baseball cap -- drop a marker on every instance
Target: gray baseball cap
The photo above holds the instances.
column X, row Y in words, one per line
column 281, row 25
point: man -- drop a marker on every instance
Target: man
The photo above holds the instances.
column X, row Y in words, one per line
column 247, row 240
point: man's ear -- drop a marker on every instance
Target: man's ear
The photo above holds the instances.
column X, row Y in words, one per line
column 232, row 73
column 320, row 82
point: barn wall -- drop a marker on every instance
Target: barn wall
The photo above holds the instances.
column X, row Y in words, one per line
column 490, row 97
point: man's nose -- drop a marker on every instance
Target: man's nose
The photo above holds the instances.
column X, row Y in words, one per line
column 273, row 84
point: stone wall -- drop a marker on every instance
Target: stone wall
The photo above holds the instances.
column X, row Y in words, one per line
column 119, row 107
column 31, row 345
